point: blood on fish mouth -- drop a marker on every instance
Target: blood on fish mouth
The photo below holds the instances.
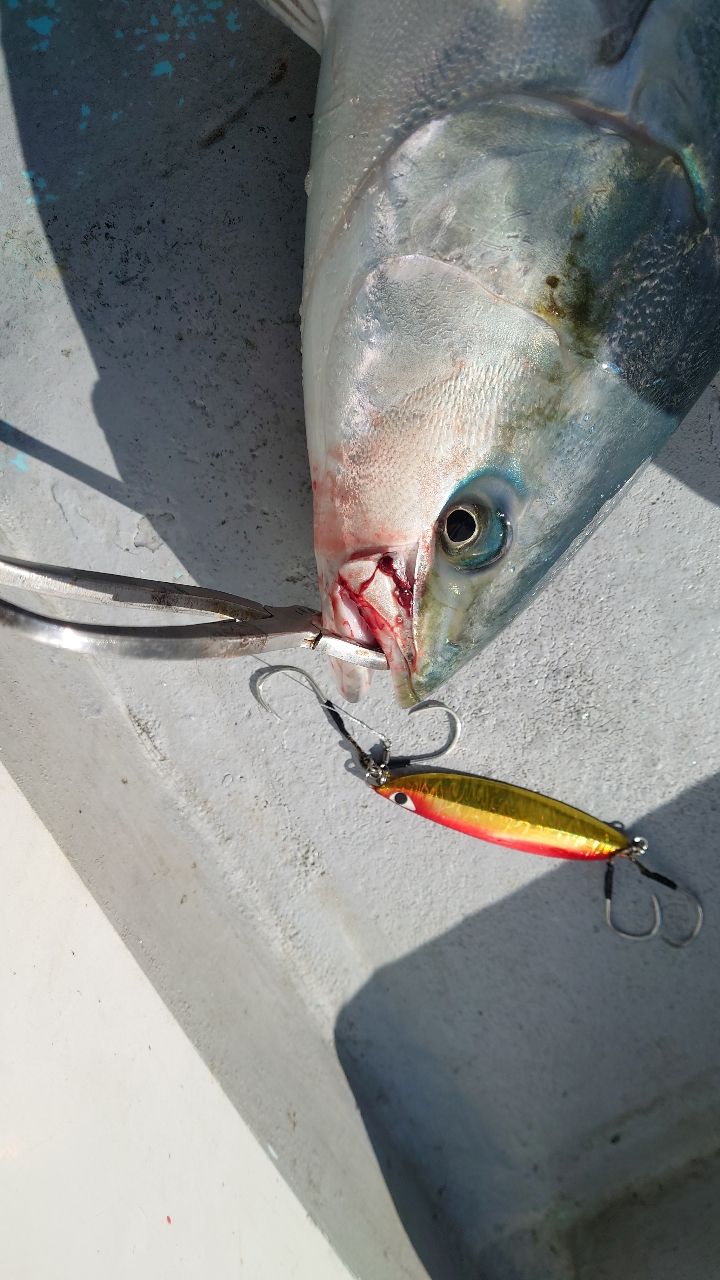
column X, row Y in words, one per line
column 373, row 595
column 386, row 565
column 404, row 589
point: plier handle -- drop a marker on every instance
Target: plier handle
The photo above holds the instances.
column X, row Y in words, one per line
column 241, row 626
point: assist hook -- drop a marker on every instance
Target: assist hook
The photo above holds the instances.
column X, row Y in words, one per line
column 633, row 853
column 376, row 771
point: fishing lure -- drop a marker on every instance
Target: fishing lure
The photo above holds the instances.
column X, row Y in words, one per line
column 499, row 812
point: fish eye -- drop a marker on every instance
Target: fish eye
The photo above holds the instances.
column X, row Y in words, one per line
column 474, row 535
column 402, row 798
column 461, row 526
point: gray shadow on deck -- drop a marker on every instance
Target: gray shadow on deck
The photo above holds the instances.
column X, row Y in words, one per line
column 512, row 1065
column 692, row 455
column 156, row 139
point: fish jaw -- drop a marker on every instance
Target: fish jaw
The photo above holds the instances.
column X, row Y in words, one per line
column 372, row 600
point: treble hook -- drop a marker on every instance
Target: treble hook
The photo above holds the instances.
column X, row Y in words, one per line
column 633, row 853
column 375, row 769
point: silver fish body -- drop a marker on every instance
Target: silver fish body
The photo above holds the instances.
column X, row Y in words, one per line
column 511, row 295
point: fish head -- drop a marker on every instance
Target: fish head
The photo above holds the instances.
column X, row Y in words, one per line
column 475, row 450
column 539, row 315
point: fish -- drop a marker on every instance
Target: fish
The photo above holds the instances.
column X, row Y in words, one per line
column 510, row 301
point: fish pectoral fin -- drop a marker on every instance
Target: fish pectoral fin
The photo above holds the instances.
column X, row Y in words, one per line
column 301, row 16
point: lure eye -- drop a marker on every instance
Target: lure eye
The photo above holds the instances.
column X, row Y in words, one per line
column 402, row 799
column 474, row 535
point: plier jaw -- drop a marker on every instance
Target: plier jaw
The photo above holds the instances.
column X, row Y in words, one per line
column 240, row 627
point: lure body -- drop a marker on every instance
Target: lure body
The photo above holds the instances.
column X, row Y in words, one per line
column 503, row 813
column 511, row 295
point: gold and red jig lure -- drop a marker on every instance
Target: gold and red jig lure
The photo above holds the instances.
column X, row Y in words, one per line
column 498, row 812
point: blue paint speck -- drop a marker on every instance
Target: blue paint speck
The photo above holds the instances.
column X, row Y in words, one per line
column 115, row 116
column 20, row 462
column 232, row 20
column 40, row 185
column 43, row 26
column 231, row 62
column 119, row 35
column 162, row 36
column 181, row 102
column 154, row 21
column 163, row 69
column 139, row 48
column 180, row 15
column 13, row 4
column 85, row 113
column 182, row 57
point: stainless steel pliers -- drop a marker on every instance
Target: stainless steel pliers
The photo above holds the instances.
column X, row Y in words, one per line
column 241, row 626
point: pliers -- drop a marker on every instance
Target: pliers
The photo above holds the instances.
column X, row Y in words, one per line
column 241, row 626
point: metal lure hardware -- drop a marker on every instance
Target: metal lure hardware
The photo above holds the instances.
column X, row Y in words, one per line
column 498, row 812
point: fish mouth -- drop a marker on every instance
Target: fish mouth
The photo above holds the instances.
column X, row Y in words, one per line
column 372, row 600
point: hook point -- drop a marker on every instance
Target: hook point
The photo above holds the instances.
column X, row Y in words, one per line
column 261, row 677
column 686, row 939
